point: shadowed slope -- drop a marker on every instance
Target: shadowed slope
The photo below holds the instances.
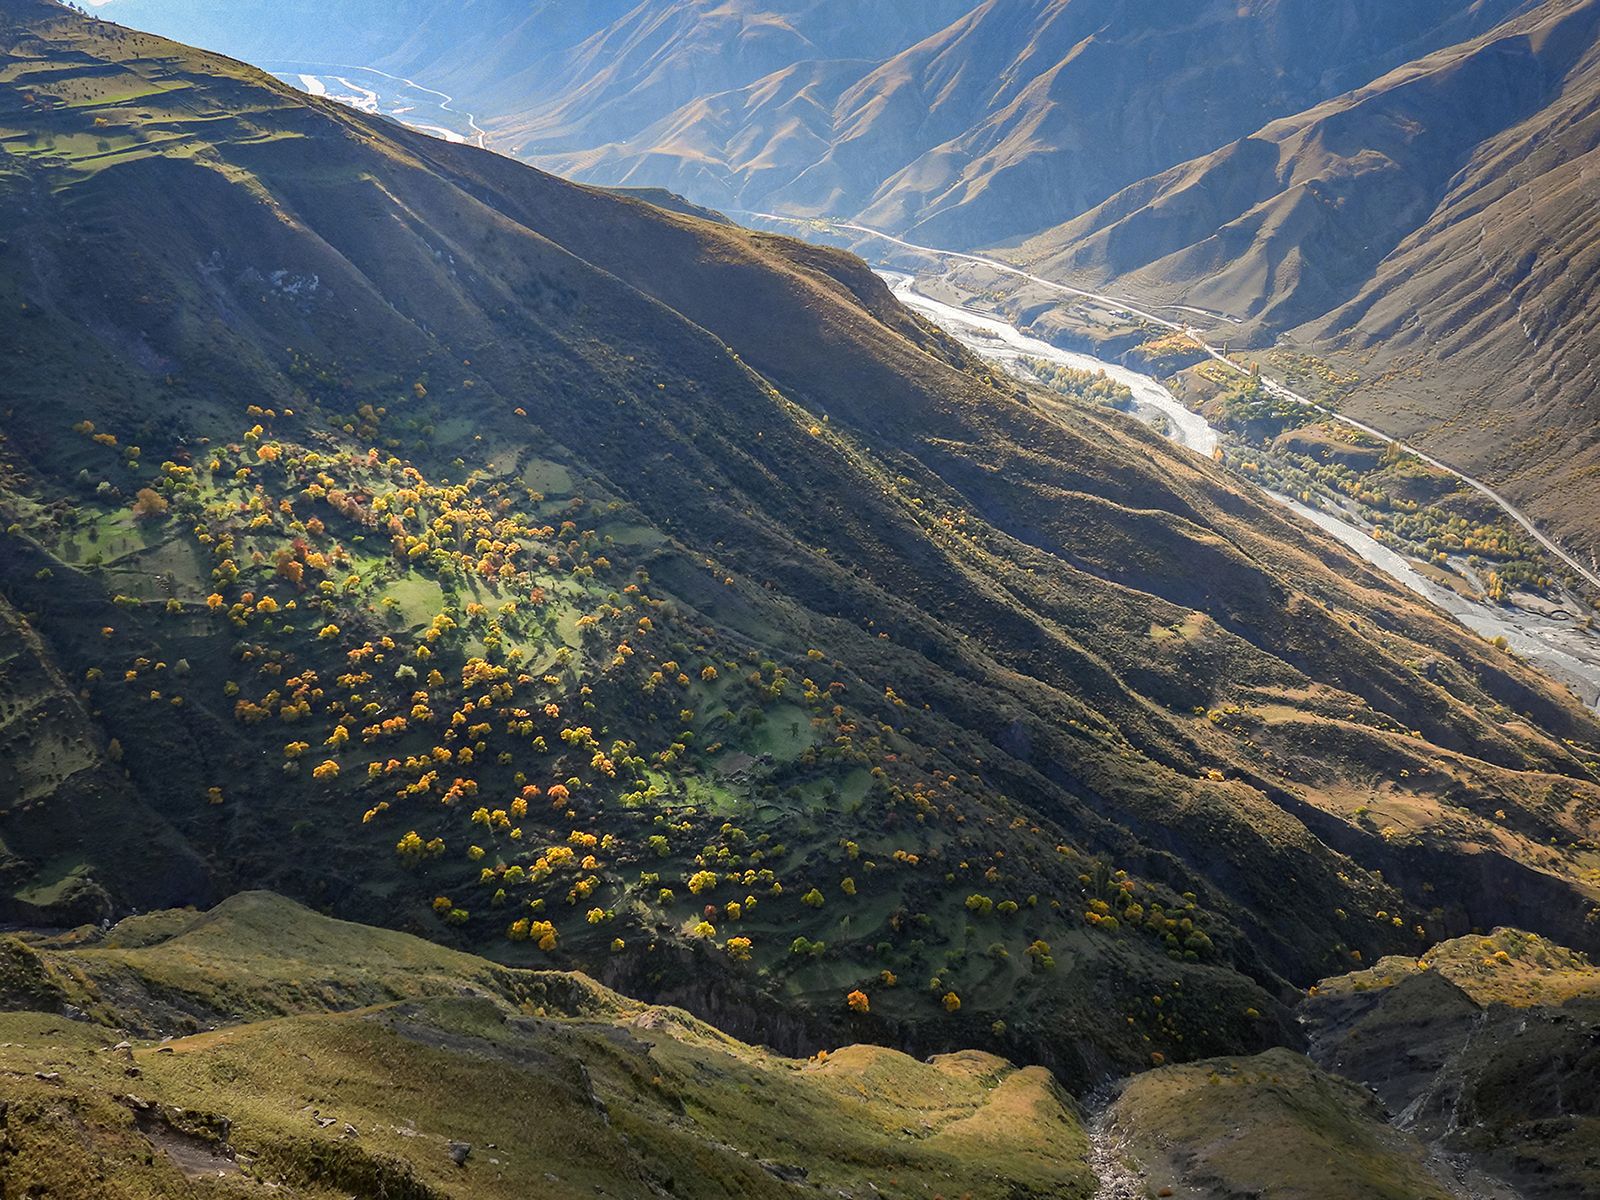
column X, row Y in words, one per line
column 518, row 554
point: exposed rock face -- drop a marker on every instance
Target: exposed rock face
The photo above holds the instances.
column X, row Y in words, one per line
column 1492, row 1056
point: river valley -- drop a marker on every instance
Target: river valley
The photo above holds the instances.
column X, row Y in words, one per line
column 1549, row 634
column 382, row 94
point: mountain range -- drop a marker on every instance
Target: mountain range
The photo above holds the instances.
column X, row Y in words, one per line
column 1397, row 189
column 583, row 586
column 957, row 122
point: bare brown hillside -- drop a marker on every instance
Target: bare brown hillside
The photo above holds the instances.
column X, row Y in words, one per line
column 1435, row 231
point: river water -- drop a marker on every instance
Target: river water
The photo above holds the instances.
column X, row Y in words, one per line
column 380, row 93
column 1008, row 345
column 1548, row 635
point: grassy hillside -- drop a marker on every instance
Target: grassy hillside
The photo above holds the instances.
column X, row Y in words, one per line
column 1271, row 1125
column 364, row 1062
column 588, row 585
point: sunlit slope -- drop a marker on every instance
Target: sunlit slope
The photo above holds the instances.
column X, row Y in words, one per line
column 590, row 585
column 1431, row 232
column 539, row 1082
column 1467, row 1071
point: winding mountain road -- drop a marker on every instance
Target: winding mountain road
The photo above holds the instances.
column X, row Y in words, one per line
column 1277, row 388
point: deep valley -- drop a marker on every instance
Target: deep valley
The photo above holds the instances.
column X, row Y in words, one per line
column 513, row 686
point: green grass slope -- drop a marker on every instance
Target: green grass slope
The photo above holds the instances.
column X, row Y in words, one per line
column 384, row 1049
column 1271, row 1125
column 592, row 586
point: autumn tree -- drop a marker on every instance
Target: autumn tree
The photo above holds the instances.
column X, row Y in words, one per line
column 149, row 504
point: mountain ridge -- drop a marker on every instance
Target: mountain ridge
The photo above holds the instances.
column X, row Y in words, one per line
column 880, row 126
column 946, row 656
column 1393, row 189
column 1462, row 315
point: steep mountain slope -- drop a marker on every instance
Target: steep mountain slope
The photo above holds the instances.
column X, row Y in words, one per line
column 479, row 553
column 574, row 76
column 965, row 122
column 53, row 762
column 1488, row 1048
column 1433, row 230
column 660, row 56
column 1402, row 188
column 1074, row 99
column 1468, row 1072
column 455, row 1077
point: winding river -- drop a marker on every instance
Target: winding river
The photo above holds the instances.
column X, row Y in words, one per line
column 1546, row 635
column 1008, row 345
column 382, row 94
